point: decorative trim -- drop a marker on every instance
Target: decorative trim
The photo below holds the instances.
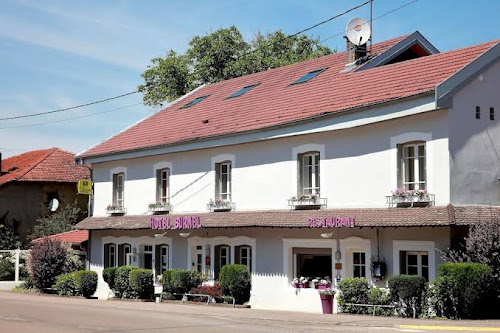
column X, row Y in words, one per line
column 354, row 244
column 162, row 165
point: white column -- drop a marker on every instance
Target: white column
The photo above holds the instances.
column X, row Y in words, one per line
column 16, row 276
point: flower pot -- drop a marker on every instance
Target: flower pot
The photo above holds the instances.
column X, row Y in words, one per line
column 304, row 285
column 327, row 303
column 323, row 286
column 295, row 285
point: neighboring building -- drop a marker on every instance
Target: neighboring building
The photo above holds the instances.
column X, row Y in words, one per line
column 290, row 171
column 77, row 239
column 28, row 182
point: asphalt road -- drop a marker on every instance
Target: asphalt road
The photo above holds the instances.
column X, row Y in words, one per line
column 41, row 314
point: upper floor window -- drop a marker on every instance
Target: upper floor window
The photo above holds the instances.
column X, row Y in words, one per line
column 118, row 189
column 162, row 185
column 413, row 166
column 309, row 174
column 223, row 181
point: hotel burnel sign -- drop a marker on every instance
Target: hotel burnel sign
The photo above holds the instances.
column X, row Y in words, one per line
column 180, row 222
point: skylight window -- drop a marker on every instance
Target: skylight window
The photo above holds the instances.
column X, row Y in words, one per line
column 309, row 76
column 194, row 102
column 243, row 90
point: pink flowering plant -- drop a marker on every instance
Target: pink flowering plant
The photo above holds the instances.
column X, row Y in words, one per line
column 405, row 193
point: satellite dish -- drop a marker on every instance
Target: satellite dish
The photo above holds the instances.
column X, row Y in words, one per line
column 358, row 31
column 53, row 205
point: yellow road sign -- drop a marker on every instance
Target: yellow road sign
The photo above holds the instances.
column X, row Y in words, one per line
column 85, row 186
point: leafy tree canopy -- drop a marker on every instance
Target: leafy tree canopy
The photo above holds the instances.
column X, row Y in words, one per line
column 221, row 55
column 9, row 239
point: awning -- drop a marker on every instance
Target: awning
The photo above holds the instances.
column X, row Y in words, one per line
column 433, row 216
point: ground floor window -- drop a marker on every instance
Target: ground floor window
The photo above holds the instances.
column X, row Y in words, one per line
column 243, row 256
column 147, row 256
column 161, row 258
column 359, row 264
column 222, row 258
column 109, row 255
column 414, row 263
column 312, row 262
column 123, row 251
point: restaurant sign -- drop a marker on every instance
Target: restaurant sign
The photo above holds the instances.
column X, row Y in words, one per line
column 331, row 222
column 181, row 222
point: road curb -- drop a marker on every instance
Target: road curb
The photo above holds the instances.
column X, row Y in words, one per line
column 450, row 328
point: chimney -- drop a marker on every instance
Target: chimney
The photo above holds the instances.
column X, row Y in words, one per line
column 354, row 52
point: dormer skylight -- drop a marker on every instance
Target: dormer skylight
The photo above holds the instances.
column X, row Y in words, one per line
column 243, row 90
column 194, row 102
column 309, row 76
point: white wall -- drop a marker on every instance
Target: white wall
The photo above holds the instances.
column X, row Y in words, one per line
column 358, row 169
column 475, row 143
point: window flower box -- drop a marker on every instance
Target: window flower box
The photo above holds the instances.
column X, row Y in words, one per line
column 301, row 283
column 159, row 207
column 307, row 202
column 322, row 284
column 402, row 198
column 115, row 210
column 219, row 205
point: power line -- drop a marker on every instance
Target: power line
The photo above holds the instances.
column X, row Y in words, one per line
column 72, row 118
column 70, row 108
column 385, row 14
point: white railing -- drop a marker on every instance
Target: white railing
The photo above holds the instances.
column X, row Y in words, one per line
column 411, row 200
column 221, row 206
column 18, row 259
column 115, row 210
column 160, row 207
column 307, row 203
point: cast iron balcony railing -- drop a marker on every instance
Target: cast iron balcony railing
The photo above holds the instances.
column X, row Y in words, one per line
column 307, row 202
column 159, row 207
column 221, row 205
column 404, row 201
column 115, row 210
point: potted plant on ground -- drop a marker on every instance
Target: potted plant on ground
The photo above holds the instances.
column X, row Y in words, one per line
column 327, row 296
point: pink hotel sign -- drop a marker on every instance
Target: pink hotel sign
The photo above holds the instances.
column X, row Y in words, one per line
column 332, row 222
column 181, row 222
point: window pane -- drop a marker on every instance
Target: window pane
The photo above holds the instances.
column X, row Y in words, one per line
column 425, row 260
column 363, row 271
column 355, row 258
column 412, row 270
column 425, row 273
column 421, row 169
column 357, row 271
column 421, row 150
column 412, row 259
column 362, row 258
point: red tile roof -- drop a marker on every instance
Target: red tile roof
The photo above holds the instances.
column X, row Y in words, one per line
column 434, row 216
column 48, row 165
column 275, row 102
column 73, row 236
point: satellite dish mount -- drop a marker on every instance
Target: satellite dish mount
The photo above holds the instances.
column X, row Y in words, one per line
column 357, row 33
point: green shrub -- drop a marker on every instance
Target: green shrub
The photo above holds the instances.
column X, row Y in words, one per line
column 378, row 296
column 235, row 281
column 180, row 281
column 108, row 274
column 122, row 287
column 65, row 285
column 85, row 282
column 408, row 292
column 141, row 283
column 46, row 261
column 465, row 290
column 353, row 290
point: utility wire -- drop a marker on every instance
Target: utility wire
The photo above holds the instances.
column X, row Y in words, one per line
column 192, row 74
column 72, row 118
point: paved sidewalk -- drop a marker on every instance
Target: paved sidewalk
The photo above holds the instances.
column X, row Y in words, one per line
column 139, row 316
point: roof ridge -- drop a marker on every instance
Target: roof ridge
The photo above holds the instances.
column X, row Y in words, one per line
column 40, row 160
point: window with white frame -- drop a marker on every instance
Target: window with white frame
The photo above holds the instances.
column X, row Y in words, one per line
column 162, row 185
column 312, row 262
column 161, row 258
column 359, row 264
column 413, row 166
column 414, row 263
column 123, row 251
column 222, row 257
column 118, row 189
column 109, row 255
column 309, row 173
column 243, row 256
column 223, row 181
column 147, row 257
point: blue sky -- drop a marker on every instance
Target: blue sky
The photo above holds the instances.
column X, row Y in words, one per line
column 56, row 54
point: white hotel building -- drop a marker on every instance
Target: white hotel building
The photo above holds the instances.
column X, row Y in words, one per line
column 291, row 171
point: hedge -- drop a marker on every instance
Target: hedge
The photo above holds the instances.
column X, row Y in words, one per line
column 235, row 281
column 408, row 292
column 108, row 274
column 353, row 290
column 85, row 282
column 122, row 287
column 465, row 290
column 65, row 285
column 181, row 281
column 141, row 283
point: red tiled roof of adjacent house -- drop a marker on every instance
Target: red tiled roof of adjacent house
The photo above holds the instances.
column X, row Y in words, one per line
column 73, row 236
column 433, row 216
column 274, row 102
column 48, row 165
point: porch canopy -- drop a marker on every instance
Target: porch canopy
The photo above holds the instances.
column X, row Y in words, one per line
column 434, row 216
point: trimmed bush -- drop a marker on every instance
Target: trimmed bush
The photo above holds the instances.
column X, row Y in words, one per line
column 108, row 274
column 235, row 281
column 408, row 292
column 85, row 282
column 141, row 283
column 46, row 261
column 214, row 291
column 122, row 287
column 65, row 285
column 181, row 281
column 353, row 290
column 465, row 290
column 378, row 296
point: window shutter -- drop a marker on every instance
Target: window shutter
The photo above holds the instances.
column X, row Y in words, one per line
column 399, row 165
column 230, row 180
column 299, row 175
column 319, row 173
column 217, row 180
column 115, row 188
column 237, row 255
column 121, row 255
column 106, row 255
column 157, row 259
column 402, row 262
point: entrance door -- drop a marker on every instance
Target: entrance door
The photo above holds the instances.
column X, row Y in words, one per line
column 148, row 256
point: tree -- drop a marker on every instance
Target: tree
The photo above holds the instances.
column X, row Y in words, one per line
column 46, row 261
column 9, row 238
column 61, row 221
column 221, row 55
column 482, row 245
